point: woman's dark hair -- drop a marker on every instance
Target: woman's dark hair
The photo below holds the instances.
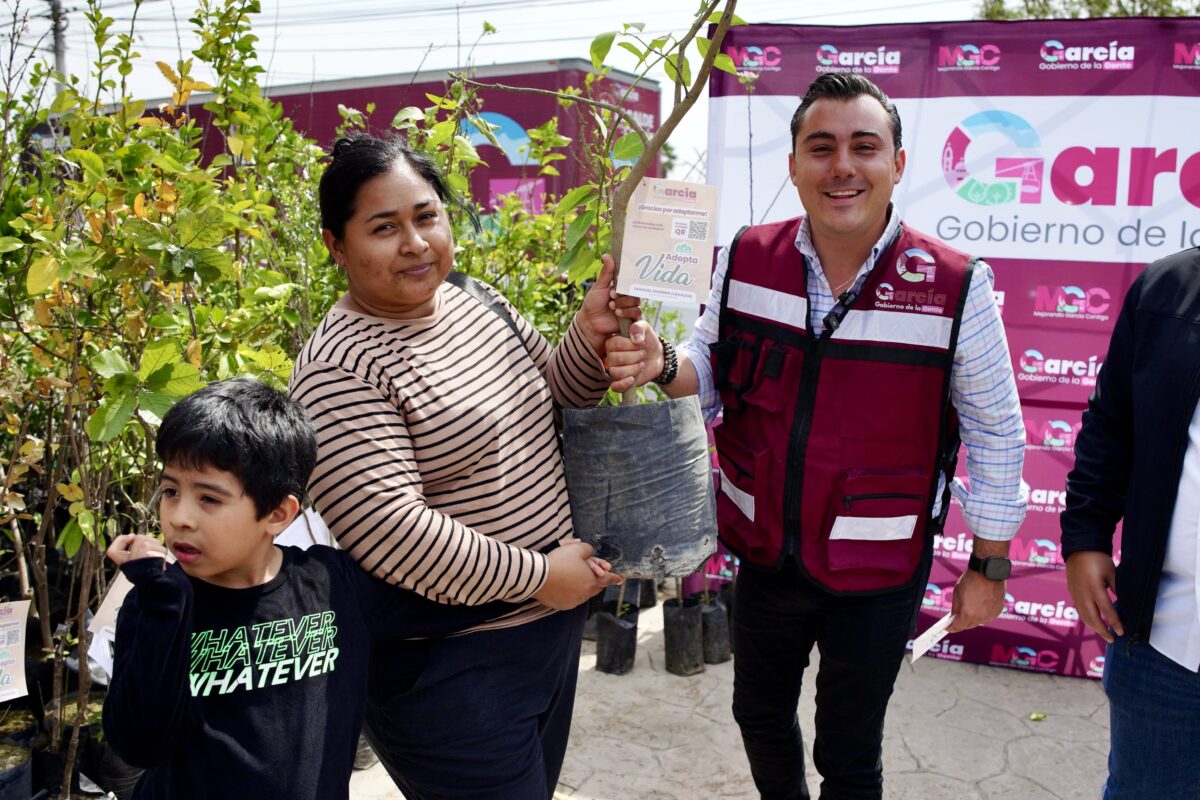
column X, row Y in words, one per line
column 846, row 86
column 358, row 158
column 245, row 428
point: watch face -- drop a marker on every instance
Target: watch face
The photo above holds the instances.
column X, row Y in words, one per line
column 996, row 569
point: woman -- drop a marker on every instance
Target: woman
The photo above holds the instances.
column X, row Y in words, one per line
column 438, row 470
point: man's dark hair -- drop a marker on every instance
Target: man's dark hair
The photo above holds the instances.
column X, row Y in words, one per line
column 846, row 86
column 360, row 157
column 246, row 428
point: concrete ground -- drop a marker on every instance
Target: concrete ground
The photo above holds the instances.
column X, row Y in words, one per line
column 955, row 731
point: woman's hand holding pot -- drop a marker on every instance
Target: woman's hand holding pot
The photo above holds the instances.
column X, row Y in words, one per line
column 571, row 578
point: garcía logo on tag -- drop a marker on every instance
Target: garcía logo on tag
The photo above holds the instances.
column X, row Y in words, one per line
column 674, row 194
column 1057, row 56
column 880, row 61
column 969, row 58
column 1187, row 56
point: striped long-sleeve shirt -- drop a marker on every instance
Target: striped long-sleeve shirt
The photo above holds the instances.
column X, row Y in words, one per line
column 983, row 390
column 438, row 467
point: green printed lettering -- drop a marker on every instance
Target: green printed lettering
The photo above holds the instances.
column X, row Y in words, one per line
column 244, row 678
column 273, row 640
column 237, row 649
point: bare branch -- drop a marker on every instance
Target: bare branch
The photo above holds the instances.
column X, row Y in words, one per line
column 620, row 112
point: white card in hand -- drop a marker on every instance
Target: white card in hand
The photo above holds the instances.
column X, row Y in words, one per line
column 929, row 638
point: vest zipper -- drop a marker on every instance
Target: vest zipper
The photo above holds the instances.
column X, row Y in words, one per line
column 794, row 480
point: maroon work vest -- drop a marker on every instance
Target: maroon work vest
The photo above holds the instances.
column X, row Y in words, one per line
column 831, row 447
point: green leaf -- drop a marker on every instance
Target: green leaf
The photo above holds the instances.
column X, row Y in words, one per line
column 629, row 147
column 205, row 229
column 175, row 380
column 167, row 164
column 91, row 164
column 71, row 538
column 120, row 384
column 587, row 266
column 633, row 48
column 1037, row 716
column 87, row 523
column 155, row 405
column 205, row 266
column 157, row 355
column 724, row 63
column 407, row 114
column 108, row 363
column 488, row 28
column 110, row 417
column 63, row 101
column 42, row 274
column 10, row 243
column 635, row 26
column 715, row 17
column 669, row 67
column 578, row 229
column 580, row 195
column 483, row 127
column 600, row 47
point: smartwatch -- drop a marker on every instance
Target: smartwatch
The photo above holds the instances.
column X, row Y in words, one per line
column 994, row 568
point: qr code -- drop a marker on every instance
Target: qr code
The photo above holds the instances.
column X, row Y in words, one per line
column 12, row 637
column 697, row 230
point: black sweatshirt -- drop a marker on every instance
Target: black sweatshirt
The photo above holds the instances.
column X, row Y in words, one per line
column 255, row 692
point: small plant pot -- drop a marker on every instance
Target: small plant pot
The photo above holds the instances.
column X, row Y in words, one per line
column 714, row 623
column 683, row 635
column 107, row 769
column 18, row 726
column 725, row 596
column 647, row 593
column 16, row 772
column 616, row 639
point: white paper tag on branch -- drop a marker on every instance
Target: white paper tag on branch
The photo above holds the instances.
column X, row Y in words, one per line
column 929, row 638
column 13, row 620
column 668, row 246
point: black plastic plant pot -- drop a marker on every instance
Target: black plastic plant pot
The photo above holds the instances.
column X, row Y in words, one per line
column 616, row 639
column 683, row 635
column 714, row 622
column 640, row 483
column 18, row 726
column 726, row 598
column 647, row 593
column 16, row 772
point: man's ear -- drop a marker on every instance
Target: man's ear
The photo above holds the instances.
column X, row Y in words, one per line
column 901, row 158
column 282, row 515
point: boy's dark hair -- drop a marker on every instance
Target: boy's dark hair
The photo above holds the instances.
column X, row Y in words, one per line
column 846, row 86
column 246, row 428
column 358, row 158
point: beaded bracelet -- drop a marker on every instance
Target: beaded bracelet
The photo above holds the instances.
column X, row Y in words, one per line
column 670, row 364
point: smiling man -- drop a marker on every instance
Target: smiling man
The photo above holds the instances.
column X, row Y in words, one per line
column 851, row 355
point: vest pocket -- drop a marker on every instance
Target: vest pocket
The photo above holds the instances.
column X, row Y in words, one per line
column 741, row 499
column 776, row 378
column 875, row 520
column 734, row 361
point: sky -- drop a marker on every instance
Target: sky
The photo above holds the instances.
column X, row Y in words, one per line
column 315, row 40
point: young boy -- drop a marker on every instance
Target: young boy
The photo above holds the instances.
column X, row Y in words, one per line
column 241, row 669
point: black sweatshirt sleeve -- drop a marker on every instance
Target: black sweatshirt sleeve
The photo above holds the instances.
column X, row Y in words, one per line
column 1099, row 481
column 149, row 703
